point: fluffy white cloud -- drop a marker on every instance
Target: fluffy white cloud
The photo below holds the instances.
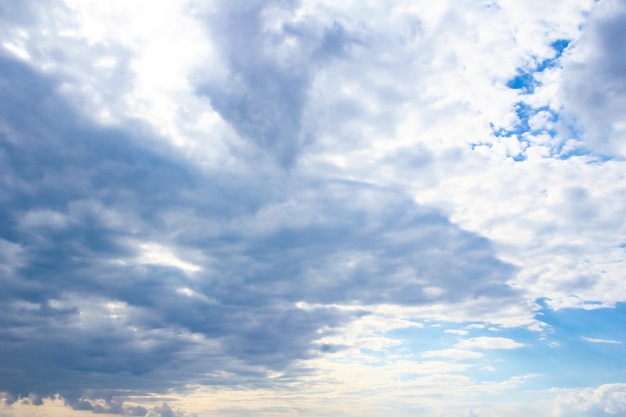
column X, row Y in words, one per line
column 165, row 410
column 606, row 400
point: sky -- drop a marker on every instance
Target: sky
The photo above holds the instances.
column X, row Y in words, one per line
column 312, row 208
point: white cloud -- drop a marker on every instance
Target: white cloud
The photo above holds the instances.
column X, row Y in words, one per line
column 165, row 410
column 427, row 97
column 456, row 331
column 595, row 340
column 339, row 171
column 606, row 400
column 532, row 212
column 155, row 254
column 475, row 326
column 489, row 343
column 458, row 354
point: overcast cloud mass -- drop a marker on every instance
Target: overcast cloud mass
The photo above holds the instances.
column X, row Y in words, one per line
column 285, row 208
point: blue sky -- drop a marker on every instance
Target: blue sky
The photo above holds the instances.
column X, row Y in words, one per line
column 284, row 208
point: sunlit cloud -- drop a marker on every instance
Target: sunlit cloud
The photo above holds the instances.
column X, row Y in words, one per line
column 312, row 208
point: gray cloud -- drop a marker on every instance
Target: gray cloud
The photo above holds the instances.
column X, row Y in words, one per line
column 84, row 310
column 164, row 410
column 272, row 59
column 606, row 400
column 595, row 88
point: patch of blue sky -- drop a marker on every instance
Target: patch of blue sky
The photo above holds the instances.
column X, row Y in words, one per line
column 602, row 323
column 575, row 147
column 584, row 347
column 438, row 336
column 440, row 344
column 572, row 152
column 559, row 47
column 474, row 145
column 420, row 339
column 524, row 113
column 525, row 79
column 444, row 335
column 560, row 149
column 569, row 150
column 526, row 82
column 578, row 348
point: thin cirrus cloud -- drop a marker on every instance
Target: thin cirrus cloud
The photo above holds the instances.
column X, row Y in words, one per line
column 249, row 208
column 595, row 340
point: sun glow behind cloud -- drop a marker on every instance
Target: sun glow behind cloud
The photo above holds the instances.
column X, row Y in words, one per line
column 316, row 208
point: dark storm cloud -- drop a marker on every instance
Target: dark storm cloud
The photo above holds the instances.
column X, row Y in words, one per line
column 81, row 311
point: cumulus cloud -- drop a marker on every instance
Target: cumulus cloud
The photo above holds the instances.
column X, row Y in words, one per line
column 164, row 410
column 606, row 400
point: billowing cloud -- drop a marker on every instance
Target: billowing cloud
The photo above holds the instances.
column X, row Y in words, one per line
column 606, row 400
column 594, row 84
column 95, row 300
column 164, row 410
column 241, row 202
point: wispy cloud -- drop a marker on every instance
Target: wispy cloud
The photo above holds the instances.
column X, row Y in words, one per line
column 594, row 340
column 453, row 354
column 489, row 343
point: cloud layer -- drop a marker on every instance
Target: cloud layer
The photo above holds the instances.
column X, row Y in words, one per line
column 310, row 196
column 90, row 295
